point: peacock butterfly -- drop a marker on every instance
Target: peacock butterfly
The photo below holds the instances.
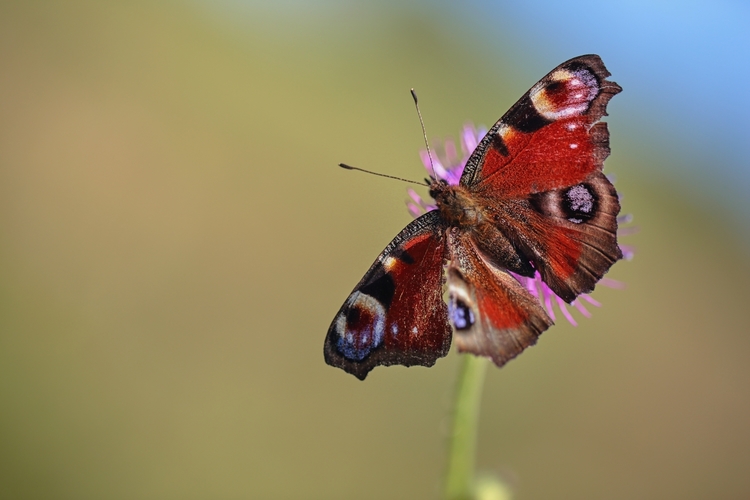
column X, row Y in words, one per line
column 532, row 198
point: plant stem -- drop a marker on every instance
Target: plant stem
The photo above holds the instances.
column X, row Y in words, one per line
column 459, row 477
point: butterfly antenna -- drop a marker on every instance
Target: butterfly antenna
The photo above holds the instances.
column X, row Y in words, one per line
column 424, row 132
column 349, row 167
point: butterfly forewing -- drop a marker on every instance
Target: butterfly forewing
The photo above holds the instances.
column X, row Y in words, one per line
column 547, row 140
column 396, row 314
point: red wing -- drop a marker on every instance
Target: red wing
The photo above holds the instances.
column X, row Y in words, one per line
column 492, row 314
column 575, row 231
column 569, row 234
column 396, row 314
column 550, row 138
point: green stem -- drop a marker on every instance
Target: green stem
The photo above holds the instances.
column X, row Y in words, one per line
column 459, row 477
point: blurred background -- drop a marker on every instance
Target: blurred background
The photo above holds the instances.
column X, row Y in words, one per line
column 175, row 238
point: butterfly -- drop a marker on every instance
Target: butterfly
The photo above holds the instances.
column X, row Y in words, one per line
column 532, row 198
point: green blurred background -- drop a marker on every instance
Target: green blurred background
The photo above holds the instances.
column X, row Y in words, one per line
column 175, row 239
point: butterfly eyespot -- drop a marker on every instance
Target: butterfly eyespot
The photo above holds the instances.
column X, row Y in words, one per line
column 567, row 93
column 461, row 315
column 360, row 327
column 579, row 203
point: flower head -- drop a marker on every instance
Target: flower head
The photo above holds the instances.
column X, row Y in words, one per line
column 448, row 164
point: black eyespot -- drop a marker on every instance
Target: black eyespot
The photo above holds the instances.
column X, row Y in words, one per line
column 555, row 87
column 352, row 317
column 381, row 288
column 579, row 203
column 461, row 315
column 525, row 118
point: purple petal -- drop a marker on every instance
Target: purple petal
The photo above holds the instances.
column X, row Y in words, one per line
column 548, row 305
column 414, row 196
column 414, row 210
column 581, row 308
column 610, row 283
column 450, row 152
column 590, row 300
column 564, row 310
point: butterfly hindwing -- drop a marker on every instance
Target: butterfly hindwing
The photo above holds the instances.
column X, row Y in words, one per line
column 577, row 235
column 491, row 313
column 396, row 314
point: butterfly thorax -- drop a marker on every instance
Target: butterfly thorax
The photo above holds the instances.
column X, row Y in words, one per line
column 457, row 206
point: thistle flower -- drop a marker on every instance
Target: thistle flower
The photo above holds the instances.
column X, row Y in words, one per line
column 448, row 165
